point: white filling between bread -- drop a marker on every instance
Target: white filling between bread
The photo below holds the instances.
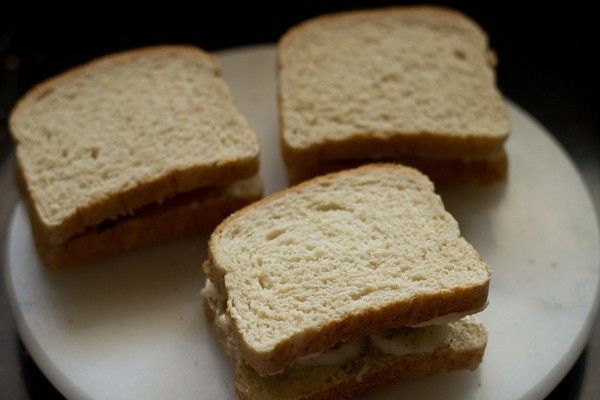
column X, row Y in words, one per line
column 424, row 337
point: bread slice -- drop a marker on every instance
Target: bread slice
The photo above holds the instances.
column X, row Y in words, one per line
column 195, row 212
column 443, row 173
column 124, row 131
column 339, row 257
column 463, row 349
column 389, row 83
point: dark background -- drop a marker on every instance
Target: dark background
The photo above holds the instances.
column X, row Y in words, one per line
column 547, row 65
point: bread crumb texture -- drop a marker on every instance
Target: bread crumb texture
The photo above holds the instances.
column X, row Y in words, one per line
column 339, row 246
column 408, row 70
column 124, row 121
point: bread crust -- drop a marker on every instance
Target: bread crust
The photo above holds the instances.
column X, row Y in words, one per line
column 443, row 173
column 369, row 13
column 154, row 192
column 419, row 308
column 440, row 145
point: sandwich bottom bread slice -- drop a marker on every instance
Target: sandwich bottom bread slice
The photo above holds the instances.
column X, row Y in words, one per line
column 186, row 214
column 364, row 365
column 442, row 172
column 345, row 283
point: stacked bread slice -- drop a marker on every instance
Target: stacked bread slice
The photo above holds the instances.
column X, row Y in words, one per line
column 130, row 149
column 345, row 283
column 414, row 85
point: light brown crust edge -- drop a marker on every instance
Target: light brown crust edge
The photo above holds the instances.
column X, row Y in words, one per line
column 350, row 14
column 443, row 173
column 424, row 144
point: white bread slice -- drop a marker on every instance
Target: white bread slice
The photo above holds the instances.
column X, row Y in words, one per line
column 124, row 131
column 463, row 349
column 190, row 213
column 339, row 257
column 386, row 83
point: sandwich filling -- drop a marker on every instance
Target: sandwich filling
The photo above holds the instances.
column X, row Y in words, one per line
column 228, row 197
column 424, row 337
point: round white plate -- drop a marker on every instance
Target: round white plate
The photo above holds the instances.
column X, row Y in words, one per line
column 133, row 327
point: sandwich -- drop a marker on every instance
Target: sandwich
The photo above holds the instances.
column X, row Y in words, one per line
column 413, row 85
column 343, row 284
column 130, row 149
